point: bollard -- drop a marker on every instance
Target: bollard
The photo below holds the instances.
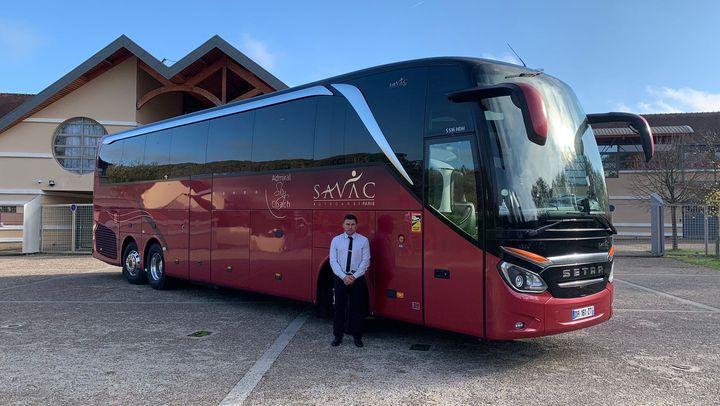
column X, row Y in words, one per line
column 706, row 228
column 657, row 225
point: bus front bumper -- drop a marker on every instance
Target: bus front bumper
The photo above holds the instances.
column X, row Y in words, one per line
column 512, row 315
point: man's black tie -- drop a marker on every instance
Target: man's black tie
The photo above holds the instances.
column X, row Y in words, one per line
column 347, row 266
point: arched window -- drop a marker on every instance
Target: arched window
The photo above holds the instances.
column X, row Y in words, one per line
column 75, row 144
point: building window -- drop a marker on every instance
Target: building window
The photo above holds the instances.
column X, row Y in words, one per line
column 75, row 144
column 11, row 216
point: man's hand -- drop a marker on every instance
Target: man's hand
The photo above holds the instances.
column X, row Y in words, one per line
column 348, row 280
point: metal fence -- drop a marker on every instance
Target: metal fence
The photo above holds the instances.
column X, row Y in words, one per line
column 696, row 228
column 693, row 231
column 67, row 228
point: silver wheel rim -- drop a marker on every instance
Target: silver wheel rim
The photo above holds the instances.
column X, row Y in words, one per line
column 156, row 266
column 132, row 262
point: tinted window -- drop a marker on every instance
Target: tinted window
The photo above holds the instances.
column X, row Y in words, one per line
column 230, row 143
column 444, row 116
column 360, row 147
column 108, row 157
column 187, row 149
column 397, row 100
column 283, row 135
column 329, row 131
column 129, row 166
column 157, row 155
column 133, row 150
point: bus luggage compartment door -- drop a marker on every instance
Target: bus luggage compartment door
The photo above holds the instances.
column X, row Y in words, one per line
column 397, row 266
column 453, row 279
column 199, row 229
column 281, row 252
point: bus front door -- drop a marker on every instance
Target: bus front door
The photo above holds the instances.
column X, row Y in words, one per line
column 453, row 261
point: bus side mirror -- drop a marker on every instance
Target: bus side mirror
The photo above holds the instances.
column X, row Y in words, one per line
column 524, row 96
column 635, row 122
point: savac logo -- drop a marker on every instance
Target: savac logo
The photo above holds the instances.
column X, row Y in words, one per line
column 351, row 192
column 402, row 82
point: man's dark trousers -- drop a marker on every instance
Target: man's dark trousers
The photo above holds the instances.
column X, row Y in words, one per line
column 357, row 294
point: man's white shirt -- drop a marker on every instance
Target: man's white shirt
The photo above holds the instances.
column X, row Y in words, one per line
column 360, row 260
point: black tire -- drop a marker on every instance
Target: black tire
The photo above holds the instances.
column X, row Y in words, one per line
column 131, row 266
column 155, row 268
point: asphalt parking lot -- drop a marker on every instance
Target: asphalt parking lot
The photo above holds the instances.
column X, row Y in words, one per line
column 72, row 331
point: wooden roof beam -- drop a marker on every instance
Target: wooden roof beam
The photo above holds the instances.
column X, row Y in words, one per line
column 155, row 75
column 207, row 72
column 249, row 77
column 250, row 93
column 178, row 88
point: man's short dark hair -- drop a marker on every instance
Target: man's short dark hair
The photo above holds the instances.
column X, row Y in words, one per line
column 350, row 217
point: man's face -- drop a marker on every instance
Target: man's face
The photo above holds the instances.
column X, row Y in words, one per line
column 349, row 226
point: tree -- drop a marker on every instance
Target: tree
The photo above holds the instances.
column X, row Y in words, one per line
column 709, row 159
column 673, row 174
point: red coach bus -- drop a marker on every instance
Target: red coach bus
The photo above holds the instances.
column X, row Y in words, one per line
column 478, row 183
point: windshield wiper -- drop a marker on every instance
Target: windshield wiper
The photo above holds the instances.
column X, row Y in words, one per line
column 601, row 219
column 534, row 232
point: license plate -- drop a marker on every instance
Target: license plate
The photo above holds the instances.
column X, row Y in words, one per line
column 583, row 312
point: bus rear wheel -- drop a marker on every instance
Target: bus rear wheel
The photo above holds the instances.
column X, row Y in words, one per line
column 131, row 265
column 155, row 268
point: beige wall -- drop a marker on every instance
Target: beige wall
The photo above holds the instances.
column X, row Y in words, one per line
column 106, row 99
column 111, row 96
column 159, row 108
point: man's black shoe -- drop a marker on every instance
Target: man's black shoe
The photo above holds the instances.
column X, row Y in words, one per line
column 359, row 343
column 336, row 341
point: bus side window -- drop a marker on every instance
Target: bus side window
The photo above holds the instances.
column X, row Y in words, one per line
column 444, row 116
column 109, row 158
column 397, row 101
column 130, row 168
column 230, row 143
column 188, row 149
column 283, row 135
column 157, row 155
column 329, row 131
column 451, row 184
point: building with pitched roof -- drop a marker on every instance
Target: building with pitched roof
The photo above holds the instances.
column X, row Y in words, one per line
column 48, row 141
column 699, row 134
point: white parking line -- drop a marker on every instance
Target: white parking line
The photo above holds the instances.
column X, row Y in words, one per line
column 248, row 382
column 97, row 302
column 667, row 295
column 661, row 311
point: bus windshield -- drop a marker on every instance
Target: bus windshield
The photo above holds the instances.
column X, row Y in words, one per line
column 563, row 178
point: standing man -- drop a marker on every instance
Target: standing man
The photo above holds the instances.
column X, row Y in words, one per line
column 349, row 259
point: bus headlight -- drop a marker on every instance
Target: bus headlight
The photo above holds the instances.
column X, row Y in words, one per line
column 612, row 270
column 521, row 279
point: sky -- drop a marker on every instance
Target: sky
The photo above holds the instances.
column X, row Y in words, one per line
column 641, row 56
